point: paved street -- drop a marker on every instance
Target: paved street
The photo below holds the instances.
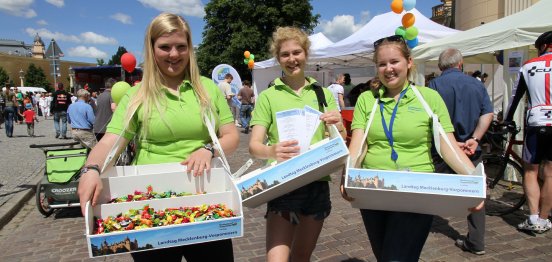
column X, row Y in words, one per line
column 60, row 237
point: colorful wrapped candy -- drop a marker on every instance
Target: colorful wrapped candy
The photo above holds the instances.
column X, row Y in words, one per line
column 147, row 195
column 147, row 217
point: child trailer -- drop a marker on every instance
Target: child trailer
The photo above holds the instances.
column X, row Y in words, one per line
column 58, row 187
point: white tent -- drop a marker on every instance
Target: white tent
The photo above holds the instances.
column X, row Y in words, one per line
column 357, row 49
column 26, row 89
column 516, row 30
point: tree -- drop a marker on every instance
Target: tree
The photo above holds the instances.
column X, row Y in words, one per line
column 235, row 26
column 116, row 58
column 3, row 76
column 101, row 61
column 35, row 77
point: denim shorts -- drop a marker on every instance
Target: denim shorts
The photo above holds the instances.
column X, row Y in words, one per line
column 310, row 200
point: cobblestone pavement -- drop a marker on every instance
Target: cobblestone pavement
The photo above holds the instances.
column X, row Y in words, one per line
column 60, row 237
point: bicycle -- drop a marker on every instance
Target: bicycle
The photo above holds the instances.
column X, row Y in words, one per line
column 505, row 193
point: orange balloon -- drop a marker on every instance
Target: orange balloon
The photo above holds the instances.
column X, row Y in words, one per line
column 397, row 6
column 408, row 20
column 246, row 54
column 250, row 64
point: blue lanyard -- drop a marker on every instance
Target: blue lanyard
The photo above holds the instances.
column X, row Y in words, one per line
column 389, row 131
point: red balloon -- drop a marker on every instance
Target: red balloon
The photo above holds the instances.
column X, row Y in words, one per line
column 128, row 61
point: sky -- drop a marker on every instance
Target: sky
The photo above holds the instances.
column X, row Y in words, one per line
column 89, row 29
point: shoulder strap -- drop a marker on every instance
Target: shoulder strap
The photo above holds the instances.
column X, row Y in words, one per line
column 320, row 96
column 368, row 124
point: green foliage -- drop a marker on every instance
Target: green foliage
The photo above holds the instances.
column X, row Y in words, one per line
column 235, row 26
column 116, row 58
column 3, row 76
column 34, row 76
column 101, row 61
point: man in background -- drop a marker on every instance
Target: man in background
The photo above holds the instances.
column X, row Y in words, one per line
column 471, row 114
column 81, row 117
column 60, row 102
column 104, row 109
column 247, row 99
column 338, row 92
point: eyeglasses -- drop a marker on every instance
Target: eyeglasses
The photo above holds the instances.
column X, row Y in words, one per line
column 393, row 38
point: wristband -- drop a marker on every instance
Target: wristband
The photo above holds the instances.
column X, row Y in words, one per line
column 210, row 148
column 87, row 168
column 476, row 139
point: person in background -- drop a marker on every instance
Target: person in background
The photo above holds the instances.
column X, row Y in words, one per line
column 337, row 91
column 294, row 220
column 60, row 102
column 534, row 80
column 44, row 105
column 347, row 87
column 30, row 117
column 81, row 117
column 372, row 84
column 20, row 106
column 10, row 109
column 247, row 99
column 165, row 113
column 471, row 112
column 104, row 109
column 394, row 235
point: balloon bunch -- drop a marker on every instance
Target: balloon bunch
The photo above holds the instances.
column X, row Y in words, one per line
column 249, row 59
column 408, row 31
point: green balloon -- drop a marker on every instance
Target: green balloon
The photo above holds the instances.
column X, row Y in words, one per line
column 251, row 57
column 411, row 33
column 245, row 61
column 400, row 31
column 118, row 90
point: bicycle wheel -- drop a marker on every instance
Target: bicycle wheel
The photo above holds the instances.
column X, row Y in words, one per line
column 505, row 192
column 42, row 203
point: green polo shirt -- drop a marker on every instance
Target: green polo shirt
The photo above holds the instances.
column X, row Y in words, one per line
column 175, row 133
column 412, row 130
column 281, row 97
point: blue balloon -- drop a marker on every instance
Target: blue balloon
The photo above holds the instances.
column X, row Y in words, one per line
column 409, row 4
column 412, row 43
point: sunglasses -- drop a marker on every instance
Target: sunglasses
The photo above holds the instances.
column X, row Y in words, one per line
column 393, row 38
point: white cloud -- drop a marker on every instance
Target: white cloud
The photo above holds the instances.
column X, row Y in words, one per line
column 88, row 52
column 41, row 22
column 123, row 18
column 58, row 3
column 86, row 37
column 18, row 8
column 340, row 27
column 183, row 7
column 93, row 38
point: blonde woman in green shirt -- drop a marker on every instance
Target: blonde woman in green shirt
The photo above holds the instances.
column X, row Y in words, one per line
column 294, row 220
column 164, row 114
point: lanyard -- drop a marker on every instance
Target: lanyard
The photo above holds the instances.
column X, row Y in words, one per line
column 389, row 131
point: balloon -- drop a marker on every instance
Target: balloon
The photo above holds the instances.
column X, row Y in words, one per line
column 412, row 43
column 411, row 33
column 128, row 61
column 400, row 31
column 251, row 57
column 118, row 90
column 246, row 54
column 397, row 6
column 245, row 61
column 250, row 64
column 408, row 20
column 409, row 4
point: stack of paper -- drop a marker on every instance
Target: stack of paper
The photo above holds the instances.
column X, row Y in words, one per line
column 298, row 124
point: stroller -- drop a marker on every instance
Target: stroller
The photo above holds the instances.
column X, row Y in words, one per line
column 58, row 187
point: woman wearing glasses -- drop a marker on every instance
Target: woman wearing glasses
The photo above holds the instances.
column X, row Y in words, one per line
column 400, row 138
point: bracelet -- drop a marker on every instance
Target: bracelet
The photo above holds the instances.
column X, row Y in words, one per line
column 87, row 168
column 210, row 148
column 476, row 139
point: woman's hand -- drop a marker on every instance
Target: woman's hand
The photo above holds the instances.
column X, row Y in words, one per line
column 331, row 117
column 90, row 187
column 342, row 188
column 477, row 208
column 285, row 150
column 198, row 162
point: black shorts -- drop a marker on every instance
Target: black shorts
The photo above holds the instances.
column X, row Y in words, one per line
column 310, row 200
column 538, row 144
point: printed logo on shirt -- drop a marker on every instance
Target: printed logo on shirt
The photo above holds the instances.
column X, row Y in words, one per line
column 61, row 99
column 414, row 108
column 535, row 70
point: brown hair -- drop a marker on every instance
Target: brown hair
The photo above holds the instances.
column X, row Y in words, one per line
column 399, row 45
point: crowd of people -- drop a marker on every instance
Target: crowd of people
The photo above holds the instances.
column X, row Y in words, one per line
column 169, row 113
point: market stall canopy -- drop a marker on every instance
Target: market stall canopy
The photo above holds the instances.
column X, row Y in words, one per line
column 357, row 49
column 318, row 41
column 480, row 43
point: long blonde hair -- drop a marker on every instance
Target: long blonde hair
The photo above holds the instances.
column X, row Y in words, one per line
column 151, row 93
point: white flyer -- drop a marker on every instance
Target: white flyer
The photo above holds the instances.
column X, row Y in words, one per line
column 291, row 126
column 312, row 121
